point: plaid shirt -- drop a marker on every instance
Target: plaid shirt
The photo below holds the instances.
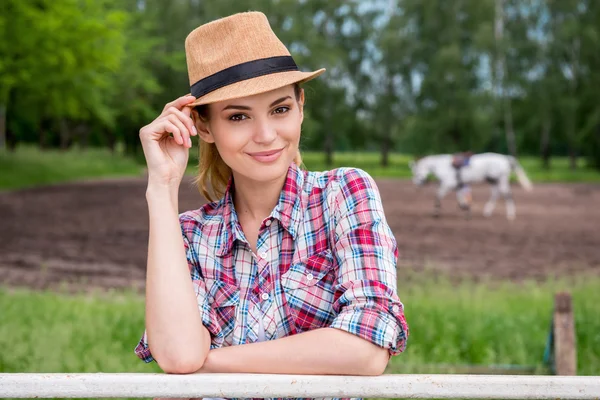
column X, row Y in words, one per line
column 326, row 257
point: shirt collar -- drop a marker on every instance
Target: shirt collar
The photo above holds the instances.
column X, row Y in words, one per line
column 288, row 210
column 230, row 229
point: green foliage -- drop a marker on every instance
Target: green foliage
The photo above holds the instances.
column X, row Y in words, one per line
column 57, row 54
column 29, row 167
column 451, row 323
column 405, row 75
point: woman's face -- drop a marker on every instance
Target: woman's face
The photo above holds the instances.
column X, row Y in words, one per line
column 257, row 136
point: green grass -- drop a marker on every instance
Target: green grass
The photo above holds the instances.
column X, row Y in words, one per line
column 498, row 323
column 46, row 332
column 559, row 172
column 54, row 332
column 460, row 323
column 370, row 162
column 28, row 166
column 398, row 166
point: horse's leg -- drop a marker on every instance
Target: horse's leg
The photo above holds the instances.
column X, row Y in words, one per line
column 491, row 203
column 467, row 209
column 441, row 193
column 463, row 196
column 508, row 200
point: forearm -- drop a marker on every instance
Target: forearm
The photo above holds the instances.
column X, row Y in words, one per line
column 178, row 340
column 324, row 351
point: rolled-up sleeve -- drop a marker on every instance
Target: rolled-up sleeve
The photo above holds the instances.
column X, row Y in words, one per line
column 366, row 252
column 190, row 232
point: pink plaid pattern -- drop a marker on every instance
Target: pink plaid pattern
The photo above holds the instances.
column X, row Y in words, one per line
column 326, row 257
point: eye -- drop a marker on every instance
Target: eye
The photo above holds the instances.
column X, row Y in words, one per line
column 238, row 117
column 281, row 110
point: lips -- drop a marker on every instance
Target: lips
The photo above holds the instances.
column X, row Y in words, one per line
column 265, row 153
column 266, row 156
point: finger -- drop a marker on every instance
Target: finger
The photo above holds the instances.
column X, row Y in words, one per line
column 185, row 118
column 179, row 103
column 173, row 129
column 183, row 131
column 187, row 109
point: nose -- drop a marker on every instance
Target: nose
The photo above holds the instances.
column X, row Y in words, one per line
column 265, row 132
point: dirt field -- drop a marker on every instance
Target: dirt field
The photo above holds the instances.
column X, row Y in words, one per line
column 95, row 234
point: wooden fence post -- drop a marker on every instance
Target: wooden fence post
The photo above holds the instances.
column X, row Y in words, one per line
column 565, row 349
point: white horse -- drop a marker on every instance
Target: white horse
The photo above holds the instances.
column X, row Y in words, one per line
column 490, row 167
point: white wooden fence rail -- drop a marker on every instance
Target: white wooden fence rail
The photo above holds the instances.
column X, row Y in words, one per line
column 94, row 385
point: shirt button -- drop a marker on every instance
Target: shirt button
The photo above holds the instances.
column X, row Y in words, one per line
column 268, row 222
column 264, row 255
column 396, row 309
column 265, row 296
column 309, row 277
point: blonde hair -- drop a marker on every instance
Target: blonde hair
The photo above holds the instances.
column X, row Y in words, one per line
column 213, row 174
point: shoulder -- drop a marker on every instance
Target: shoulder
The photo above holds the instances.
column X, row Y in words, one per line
column 344, row 187
column 202, row 219
column 346, row 180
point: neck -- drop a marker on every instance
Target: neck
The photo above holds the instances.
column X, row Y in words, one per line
column 256, row 200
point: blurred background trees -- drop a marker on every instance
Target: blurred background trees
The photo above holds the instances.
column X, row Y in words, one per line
column 512, row 76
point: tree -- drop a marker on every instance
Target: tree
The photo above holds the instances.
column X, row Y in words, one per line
column 60, row 67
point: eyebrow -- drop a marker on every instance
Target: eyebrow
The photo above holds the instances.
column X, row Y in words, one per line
column 281, row 100
column 239, row 107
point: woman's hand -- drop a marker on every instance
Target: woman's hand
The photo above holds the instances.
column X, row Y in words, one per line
column 166, row 141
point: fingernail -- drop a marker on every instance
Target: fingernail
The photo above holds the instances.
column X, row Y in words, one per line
column 190, row 141
column 195, row 130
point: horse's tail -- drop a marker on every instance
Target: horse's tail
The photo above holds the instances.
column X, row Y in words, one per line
column 520, row 172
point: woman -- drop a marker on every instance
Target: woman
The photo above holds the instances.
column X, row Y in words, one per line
column 285, row 270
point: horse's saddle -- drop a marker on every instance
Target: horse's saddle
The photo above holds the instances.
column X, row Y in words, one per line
column 460, row 160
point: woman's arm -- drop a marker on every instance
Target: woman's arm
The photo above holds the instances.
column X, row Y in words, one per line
column 175, row 335
column 324, row 351
column 365, row 249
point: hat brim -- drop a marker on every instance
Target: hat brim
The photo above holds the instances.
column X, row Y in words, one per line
column 257, row 85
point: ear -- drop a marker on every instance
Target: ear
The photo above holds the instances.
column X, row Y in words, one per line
column 204, row 132
column 202, row 127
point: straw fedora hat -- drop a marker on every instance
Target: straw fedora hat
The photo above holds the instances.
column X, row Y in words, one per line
column 238, row 56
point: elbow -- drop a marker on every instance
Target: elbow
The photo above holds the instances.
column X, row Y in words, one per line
column 376, row 362
column 181, row 365
column 376, row 368
column 181, row 356
column 366, row 359
column 181, row 360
